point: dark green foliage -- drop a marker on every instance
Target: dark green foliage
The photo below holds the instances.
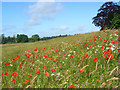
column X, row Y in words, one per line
column 115, row 23
column 105, row 15
column 22, row 38
column 35, row 37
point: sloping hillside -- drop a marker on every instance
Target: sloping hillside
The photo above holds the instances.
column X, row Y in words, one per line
column 80, row 61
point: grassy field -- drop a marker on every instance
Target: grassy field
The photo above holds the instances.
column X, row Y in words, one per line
column 79, row 61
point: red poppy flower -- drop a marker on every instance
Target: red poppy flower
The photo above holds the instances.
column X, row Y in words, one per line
column 89, row 40
column 47, row 74
column 20, row 65
column 116, row 32
column 105, row 40
column 30, row 75
column 2, row 75
column 104, row 52
column 31, row 60
column 53, row 70
column 81, row 70
column 7, row 63
column 71, row 55
column 72, row 86
column 109, row 50
column 69, row 49
column 57, row 57
column 37, row 71
column 17, row 56
column 99, row 37
column 89, row 45
column 44, row 48
column 13, row 59
column 14, row 74
column 26, row 80
column 6, row 73
column 55, row 60
column 86, row 55
column 110, row 55
column 95, row 59
column 118, row 50
column 28, row 50
column 23, row 61
column 36, row 49
column 104, row 31
column 60, row 66
column 106, row 58
column 44, row 67
column 59, row 50
column 102, row 47
column 14, row 80
column 119, row 39
column 98, row 80
column 51, row 57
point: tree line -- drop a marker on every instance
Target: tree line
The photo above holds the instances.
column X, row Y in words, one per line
column 22, row 38
column 108, row 16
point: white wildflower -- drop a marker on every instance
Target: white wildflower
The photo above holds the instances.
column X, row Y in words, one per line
column 68, row 54
column 52, row 74
column 11, row 65
column 112, row 48
column 87, row 48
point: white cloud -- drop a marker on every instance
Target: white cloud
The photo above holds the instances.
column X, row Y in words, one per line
column 41, row 11
column 60, row 28
column 63, row 28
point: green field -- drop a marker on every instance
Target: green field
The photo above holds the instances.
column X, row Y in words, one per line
column 66, row 62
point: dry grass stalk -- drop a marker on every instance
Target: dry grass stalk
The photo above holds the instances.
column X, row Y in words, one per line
column 103, row 84
column 114, row 78
column 113, row 70
column 28, row 86
column 108, row 60
column 95, row 69
column 31, row 82
column 23, row 67
column 85, row 66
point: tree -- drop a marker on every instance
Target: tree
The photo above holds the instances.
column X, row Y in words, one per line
column 22, row 38
column 115, row 23
column 35, row 37
column 105, row 15
column 3, row 39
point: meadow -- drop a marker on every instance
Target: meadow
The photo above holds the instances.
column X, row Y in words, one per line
column 79, row 61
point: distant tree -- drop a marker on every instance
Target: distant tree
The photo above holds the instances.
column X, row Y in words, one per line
column 8, row 39
column 22, row 38
column 105, row 15
column 13, row 39
column 4, row 39
column 30, row 40
column 1, row 39
column 115, row 23
column 35, row 37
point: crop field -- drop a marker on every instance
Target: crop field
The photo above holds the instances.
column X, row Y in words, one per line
column 79, row 61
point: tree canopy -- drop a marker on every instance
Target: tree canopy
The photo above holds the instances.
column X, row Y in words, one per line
column 105, row 16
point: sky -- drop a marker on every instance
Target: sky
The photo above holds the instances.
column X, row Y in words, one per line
column 48, row 18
